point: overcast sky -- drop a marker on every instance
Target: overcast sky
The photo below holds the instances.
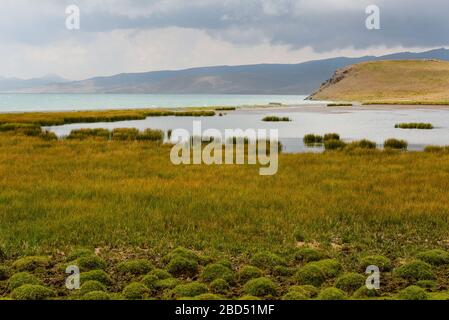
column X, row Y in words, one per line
column 137, row 35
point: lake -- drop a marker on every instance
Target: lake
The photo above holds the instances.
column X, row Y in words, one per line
column 68, row 102
column 376, row 124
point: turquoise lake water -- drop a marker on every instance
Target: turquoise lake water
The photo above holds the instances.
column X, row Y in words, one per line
column 65, row 102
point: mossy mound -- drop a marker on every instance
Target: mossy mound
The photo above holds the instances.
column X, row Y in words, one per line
column 217, row 271
column 185, row 253
column 87, row 263
column 135, row 267
column 181, row 266
column 192, row 289
column 267, row 260
column 413, row 293
column 439, row 296
column 434, row 257
column 310, row 275
column 350, row 282
column 90, row 286
column 249, row 272
column 332, row 294
column 5, row 273
column 309, row 255
column 415, row 270
column 135, row 291
column 153, row 283
column 260, row 287
column 294, row 295
column 32, row 292
column 96, row 296
column 364, row 293
column 283, row 271
column 97, row 275
column 208, row 297
column 301, row 293
column 220, row 286
column 383, row 263
column 78, row 253
column 160, row 274
column 249, row 298
column 31, row 263
column 330, row 267
column 19, row 279
column 429, row 285
column 308, row 290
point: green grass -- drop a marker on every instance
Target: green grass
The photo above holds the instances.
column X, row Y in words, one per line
column 424, row 126
column 125, row 200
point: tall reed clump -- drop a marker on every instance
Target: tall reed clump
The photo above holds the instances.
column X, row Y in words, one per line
column 225, row 109
column 362, row 144
column 334, row 144
column 396, row 144
column 81, row 134
column 331, row 136
column 151, row 135
column 339, row 105
column 276, row 119
column 125, row 134
column 27, row 129
column 312, row 139
column 413, row 125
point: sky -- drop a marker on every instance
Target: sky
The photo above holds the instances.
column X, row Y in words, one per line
column 118, row 36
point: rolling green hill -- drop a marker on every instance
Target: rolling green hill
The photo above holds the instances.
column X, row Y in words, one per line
column 404, row 81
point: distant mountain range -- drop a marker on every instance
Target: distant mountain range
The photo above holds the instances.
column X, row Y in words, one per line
column 17, row 85
column 301, row 79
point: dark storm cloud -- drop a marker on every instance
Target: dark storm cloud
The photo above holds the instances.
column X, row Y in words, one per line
column 322, row 25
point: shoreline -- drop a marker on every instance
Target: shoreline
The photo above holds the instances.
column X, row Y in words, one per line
column 321, row 107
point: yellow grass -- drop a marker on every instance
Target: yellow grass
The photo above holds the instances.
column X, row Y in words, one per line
column 408, row 81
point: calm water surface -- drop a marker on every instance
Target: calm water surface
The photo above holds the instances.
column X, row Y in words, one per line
column 352, row 124
column 68, row 102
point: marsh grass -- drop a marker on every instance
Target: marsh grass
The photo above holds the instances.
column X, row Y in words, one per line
column 61, row 118
column 331, row 136
column 340, row 105
column 128, row 200
column 413, row 125
column 81, row 134
column 312, row 139
column 334, row 144
column 396, row 144
column 276, row 119
column 362, row 144
column 436, row 149
column 225, row 109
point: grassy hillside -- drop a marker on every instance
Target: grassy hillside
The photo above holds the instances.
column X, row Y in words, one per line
column 407, row 81
column 125, row 200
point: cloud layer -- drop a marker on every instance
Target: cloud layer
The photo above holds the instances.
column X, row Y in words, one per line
column 133, row 35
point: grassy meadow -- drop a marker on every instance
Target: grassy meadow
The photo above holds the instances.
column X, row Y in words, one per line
column 140, row 227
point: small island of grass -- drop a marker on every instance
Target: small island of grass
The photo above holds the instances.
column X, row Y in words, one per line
column 422, row 126
column 276, row 119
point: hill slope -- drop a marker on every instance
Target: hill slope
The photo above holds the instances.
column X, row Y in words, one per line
column 389, row 81
column 301, row 78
